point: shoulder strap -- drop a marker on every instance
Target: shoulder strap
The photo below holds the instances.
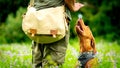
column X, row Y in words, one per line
column 31, row 2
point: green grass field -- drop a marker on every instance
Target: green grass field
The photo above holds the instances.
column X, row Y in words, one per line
column 18, row 55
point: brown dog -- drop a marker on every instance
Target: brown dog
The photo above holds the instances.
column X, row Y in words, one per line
column 87, row 45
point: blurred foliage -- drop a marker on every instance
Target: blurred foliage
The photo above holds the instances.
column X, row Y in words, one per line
column 11, row 30
column 102, row 16
column 10, row 6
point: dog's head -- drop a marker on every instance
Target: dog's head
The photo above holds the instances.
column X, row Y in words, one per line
column 85, row 35
column 83, row 30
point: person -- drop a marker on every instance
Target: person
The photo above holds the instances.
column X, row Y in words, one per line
column 52, row 54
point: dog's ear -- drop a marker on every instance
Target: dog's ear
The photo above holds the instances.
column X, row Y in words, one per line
column 93, row 45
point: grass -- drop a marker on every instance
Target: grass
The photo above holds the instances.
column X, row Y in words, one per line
column 18, row 55
column 15, row 56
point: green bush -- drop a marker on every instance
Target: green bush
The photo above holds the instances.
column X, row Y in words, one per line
column 11, row 30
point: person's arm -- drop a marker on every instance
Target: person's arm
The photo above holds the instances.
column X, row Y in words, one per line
column 72, row 5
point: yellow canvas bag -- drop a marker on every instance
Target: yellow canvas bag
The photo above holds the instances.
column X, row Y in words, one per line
column 46, row 25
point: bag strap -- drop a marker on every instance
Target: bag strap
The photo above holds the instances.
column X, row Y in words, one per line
column 31, row 2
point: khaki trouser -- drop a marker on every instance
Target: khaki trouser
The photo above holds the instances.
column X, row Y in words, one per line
column 52, row 54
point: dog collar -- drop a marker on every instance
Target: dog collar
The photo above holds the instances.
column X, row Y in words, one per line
column 84, row 57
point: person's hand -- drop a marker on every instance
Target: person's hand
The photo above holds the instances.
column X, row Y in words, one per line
column 77, row 6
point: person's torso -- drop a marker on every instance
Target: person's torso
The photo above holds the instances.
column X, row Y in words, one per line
column 41, row 4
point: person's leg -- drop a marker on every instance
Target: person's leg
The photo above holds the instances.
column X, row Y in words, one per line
column 49, row 54
column 37, row 54
column 54, row 53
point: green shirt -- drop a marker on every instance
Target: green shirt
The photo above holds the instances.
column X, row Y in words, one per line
column 41, row 4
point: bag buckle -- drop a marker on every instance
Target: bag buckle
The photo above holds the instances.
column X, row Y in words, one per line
column 33, row 32
column 54, row 33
